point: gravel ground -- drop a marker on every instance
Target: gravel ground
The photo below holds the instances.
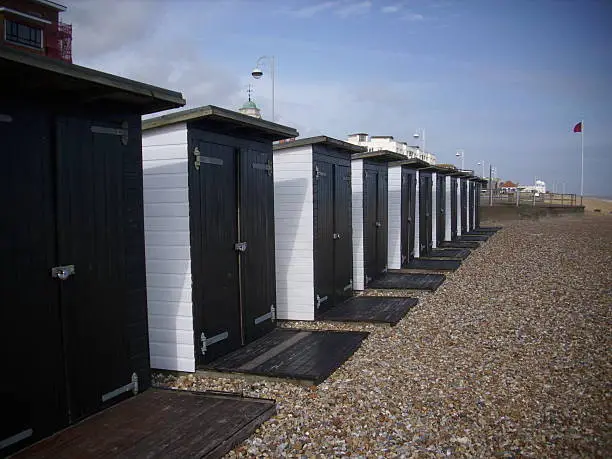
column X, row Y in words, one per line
column 509, row 358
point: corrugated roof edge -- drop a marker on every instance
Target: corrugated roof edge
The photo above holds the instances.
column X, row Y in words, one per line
column 213, row 112
column 320, row 139
column 380, row 155
column 415, row 162
column 174, row 99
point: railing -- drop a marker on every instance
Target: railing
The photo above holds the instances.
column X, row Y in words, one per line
column 513, row 198
column 59, row 42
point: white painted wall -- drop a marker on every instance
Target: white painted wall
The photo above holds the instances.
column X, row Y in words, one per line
column 434, row 209
column 394, row 217
column 167, row 246
column 417, row 217
column 458, row 206
column 358, row 233
column 448, row 214
column 294, row 232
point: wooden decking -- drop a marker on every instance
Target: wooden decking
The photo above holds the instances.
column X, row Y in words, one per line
column 377, row 309
column 304, row 356
column 159, row 423
column 407, row 281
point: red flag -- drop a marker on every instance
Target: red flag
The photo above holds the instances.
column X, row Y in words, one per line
column 578, row 127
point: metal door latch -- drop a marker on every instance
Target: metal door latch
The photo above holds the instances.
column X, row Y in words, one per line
column 318, row 173
column 378, row 224
column 321, row 300
column 336, row 235
column 240, row 246
column 196, row 162
column 62, row 272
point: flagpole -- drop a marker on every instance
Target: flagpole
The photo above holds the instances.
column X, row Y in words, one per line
column 581, row 160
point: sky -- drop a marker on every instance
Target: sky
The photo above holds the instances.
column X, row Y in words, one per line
column 504, row 81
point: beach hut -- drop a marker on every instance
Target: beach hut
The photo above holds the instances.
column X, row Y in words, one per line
column 209, row 233
column 402, row 216
column 312, row 216
column 369, row 214
column 73, row 325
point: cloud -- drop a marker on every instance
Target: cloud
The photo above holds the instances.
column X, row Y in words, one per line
column 354, row 9
column 413, row 17
column 391, row 9
column 312, row 10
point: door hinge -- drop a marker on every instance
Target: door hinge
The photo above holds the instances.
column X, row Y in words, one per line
column 6, row 118
column 348, row 179
column 132, row 386
column 210, row 341
column 385, row 269
column 6, row 442
column 122, row 132
column 368, row 279
column 240, row 246
column 321, row 300
column 349, row 286
column 268, row 315
column 318, row 173
column 265, row 167
column 337, row 236
column 62, row 272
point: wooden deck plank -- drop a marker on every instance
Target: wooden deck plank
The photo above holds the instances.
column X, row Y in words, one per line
column 458, row 253
column 434, row 264
column 408, row 281
column 460, row 244
column 371, row 309
column 159, row 423
column 313, row 358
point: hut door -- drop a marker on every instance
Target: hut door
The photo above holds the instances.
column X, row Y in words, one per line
column 370, row 201
column 92, row 238
column 257, row 263
column 454, row 208
column 407, row 214
column 464, row 207
column 214, row 233
column 425, row 207
column 471, row 204
column 32, row 383
column 381, row 222
column 343, row 244
column 441, row 197
column 323, row 176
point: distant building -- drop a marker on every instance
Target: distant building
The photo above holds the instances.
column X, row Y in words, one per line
column 250, row 107
column 35, row 26
column 539, row 187
column 508, row 186
column 387, row 142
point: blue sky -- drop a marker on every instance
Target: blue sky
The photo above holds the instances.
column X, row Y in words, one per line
column 503, row 80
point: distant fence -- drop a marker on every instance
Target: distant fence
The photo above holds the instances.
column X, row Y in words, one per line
column 513, row 198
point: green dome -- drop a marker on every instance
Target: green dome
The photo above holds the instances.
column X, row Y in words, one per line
column 249, row 104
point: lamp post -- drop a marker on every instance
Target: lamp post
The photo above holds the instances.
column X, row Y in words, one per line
column 420, row 133
column 482, row 163
column 257, row 73
column 460, row 153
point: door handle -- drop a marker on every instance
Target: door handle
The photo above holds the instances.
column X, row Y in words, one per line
column 240, row 246
column 378, row 224
column 337, row 235
column 62, row 272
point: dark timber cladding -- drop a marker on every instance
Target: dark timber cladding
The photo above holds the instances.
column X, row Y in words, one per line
column 408, row 206
column 463, row 183
column 231, row 206
column 332, row 211
column 71, row 243
column 454, row 207
column 425, row 209
column 375, row 200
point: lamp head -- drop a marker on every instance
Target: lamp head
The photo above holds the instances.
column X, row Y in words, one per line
column 416, row 135
column 257, row 73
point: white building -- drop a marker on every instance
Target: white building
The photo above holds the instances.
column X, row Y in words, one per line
column 539, row 187
column 387, row 142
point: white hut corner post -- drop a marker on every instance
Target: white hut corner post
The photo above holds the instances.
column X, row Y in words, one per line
column 448, row 215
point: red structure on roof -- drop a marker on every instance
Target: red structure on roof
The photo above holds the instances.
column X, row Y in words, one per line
column 35, row 26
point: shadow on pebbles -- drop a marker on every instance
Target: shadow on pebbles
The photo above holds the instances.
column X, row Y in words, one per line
column 509, row 358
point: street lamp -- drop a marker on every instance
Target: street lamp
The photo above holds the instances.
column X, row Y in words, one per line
column 461, row 154
column 420, row 133
column 482, row 163
column 257, row 73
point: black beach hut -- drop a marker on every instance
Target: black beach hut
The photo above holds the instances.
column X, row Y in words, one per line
column 73, row 326
column 209, row 232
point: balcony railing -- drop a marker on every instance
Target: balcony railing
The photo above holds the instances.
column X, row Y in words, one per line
column 59, row 42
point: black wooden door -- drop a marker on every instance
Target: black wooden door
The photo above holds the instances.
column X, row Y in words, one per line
column 471, row 203
column 441, row 200
column 464, row 207
column 343, row 243
column 381, row 221
column 32, row 392
column 214, row 233
column 370, row 201
column 407, row 215
column 323, row 195
column 257, row 263
column 425, row 213
column 454, row 208
column 91, row 236
column 478, row 192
